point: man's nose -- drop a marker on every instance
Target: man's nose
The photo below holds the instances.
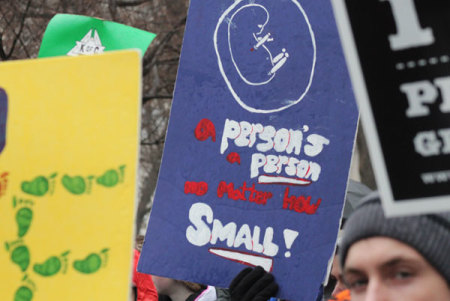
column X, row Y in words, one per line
column 376, row 291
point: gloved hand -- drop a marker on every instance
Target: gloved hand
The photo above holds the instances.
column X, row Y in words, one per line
column 253, row 285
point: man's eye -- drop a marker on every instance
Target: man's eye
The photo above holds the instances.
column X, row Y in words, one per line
column 357, row 285
column 402, row 275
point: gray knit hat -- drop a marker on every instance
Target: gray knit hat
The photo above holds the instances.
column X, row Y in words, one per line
column 428, row 234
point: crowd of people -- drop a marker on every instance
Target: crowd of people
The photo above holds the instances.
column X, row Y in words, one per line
column 377, row 258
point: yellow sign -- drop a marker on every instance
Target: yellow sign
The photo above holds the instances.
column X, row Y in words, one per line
column 68, row 176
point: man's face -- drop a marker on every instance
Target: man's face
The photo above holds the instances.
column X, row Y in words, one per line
column 381, row 268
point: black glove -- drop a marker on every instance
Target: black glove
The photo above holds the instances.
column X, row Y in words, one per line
column 253, row 285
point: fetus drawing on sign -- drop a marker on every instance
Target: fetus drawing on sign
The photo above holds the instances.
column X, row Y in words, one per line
column 266, row 53
column 264, row 64
column 279, row 61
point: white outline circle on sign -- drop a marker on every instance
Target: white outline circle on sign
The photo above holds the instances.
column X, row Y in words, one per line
column 236, row 97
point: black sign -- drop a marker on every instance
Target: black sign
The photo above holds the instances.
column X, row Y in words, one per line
column 398, row 52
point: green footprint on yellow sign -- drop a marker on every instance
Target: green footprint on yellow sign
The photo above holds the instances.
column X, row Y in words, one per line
column 23, row 219
column 75, row 185
column 39, row 186
column 91, row 263
column 20, row 256
column 23, row 293
column 52, row 265
column 112, row 177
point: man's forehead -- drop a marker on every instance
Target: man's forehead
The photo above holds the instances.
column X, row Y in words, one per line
column 380, row 251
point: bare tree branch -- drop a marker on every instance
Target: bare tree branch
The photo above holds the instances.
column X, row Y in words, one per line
column 2, row 50
column 145, row 99
column 17, row 36
column 168, row 61
column 8, row 24
column 130, row 3
column 24, row 47
column 41, row 15
column 151, row 57
column 156, row 142
column 112, row 9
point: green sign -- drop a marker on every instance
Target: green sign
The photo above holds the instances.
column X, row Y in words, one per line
column 80, row 35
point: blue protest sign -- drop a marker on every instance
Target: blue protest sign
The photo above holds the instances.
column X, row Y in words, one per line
column 258, row 147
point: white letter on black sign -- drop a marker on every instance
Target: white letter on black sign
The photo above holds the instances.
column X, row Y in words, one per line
column 445, row 135
column 409, row 33
column 427, row 144
column 444, row 85
column 417, row 94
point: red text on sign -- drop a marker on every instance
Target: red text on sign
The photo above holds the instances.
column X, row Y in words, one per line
column 300, row 204
column 205, row 129
column 197, row 188
column 243, row 193
column 234, row 157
